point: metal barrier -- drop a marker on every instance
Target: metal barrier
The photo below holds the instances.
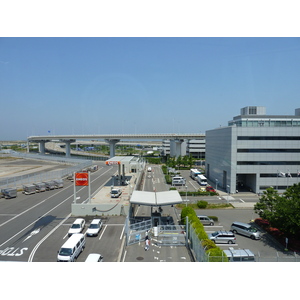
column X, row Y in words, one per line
column 170, row 235
column 19, row 181
column 137, row 232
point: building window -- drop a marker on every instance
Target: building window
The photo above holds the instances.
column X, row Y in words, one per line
column 268, row 150
column 268, row 163
column 268, row 138
column 252, row 110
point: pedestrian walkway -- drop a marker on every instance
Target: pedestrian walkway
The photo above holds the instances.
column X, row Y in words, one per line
column 156, row 253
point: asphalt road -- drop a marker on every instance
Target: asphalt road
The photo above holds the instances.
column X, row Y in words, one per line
column 154, row 181
column 33, row 227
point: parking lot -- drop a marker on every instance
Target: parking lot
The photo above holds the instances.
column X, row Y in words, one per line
column 264, row 249
column 111, row 234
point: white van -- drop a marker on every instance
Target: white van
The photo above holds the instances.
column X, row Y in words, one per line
column 239, row 255
column 71, row 249
column 94, row 257
column 177, row 180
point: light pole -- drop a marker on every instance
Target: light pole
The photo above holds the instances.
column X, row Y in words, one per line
column 217, row 184
column 186, row 196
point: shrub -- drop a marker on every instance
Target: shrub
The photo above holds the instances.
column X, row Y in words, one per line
column 202, row 235
column 216, row 255
column 274, row 232
column 208, row 244
column 262, row 223
column 186, row 211
column 202, row 204
column 213, row 218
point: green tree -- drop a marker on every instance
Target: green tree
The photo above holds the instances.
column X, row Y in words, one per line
column 266, row 207
column 288, row 211
column 179, row 161
column 282, row 212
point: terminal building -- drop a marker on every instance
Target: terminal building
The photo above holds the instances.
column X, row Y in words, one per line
column 255, row 151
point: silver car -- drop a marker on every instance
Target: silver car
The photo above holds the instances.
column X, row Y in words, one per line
column 245, row 229
column 205, row 220
column 222, row 237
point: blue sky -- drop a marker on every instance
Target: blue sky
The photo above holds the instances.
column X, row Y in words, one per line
column 141, row 85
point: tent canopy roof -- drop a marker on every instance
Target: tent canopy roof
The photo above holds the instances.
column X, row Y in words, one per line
column 155, row 198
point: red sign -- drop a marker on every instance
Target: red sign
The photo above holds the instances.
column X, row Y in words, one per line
column 81, row 179
column 112, row 162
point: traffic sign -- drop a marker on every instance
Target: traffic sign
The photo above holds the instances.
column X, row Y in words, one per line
column 81, row 179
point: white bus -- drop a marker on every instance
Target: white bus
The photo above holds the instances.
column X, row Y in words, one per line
column 194, row 173
column 201, row 179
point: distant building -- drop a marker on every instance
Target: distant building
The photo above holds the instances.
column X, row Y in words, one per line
column 175, row 148
column 255, row 151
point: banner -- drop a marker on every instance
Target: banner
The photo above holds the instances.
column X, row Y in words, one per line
column 81, row 179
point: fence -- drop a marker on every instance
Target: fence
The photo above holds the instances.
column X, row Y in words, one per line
column 136, row 232
column 171, row 235
column 19, row 181
column 195, row 245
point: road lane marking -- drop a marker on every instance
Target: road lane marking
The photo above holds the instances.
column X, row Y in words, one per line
column 43, row 239
column 102, row 232
column 47, row 213
column 122, row 232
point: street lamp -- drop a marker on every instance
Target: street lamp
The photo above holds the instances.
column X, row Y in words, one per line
column 217, row 184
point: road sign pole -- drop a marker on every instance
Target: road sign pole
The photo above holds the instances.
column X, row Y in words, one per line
column 89, row 187
column 74, row 187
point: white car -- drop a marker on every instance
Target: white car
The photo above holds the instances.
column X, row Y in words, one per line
column 94, row 257
column 77, row 226
column 94, row 227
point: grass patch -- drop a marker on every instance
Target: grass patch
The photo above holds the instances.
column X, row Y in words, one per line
column 209, row 206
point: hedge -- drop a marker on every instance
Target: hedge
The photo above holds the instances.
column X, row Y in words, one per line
column 211, row 248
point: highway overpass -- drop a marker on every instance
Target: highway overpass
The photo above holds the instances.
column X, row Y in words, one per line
column 112, row 139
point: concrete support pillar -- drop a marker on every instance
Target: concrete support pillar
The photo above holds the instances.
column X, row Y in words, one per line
column 112, row 149
column 68, row 146
column 42, row 147
column 176, row 149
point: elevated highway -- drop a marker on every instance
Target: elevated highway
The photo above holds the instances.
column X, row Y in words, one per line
column 111, row 139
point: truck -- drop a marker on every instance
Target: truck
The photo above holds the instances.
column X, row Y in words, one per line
column 50, row 185
column 201, row 179
column 194, row 173
column 29, row 189
column 59, row 183
column 40, row 187
column 9, row 193
column 115, row 193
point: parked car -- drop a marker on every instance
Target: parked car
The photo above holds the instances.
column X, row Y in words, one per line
column 245, row 229
column 94, row 257
column 222, row 237
column 94, row 227
column 239, row 255
column 205, row 220
column 210, row 189
column 115, row 193
column 77, row 226
column 71, row 249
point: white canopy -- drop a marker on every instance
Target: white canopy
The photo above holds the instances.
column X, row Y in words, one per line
column 155, row 198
